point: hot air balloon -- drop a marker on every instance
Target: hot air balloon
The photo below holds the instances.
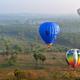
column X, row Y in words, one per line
column 73, row 57
column 78, row 11
column 49, row 32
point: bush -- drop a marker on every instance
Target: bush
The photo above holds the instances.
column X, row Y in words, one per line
column 19, row 75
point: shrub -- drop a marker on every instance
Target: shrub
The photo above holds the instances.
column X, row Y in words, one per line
column 19, row 75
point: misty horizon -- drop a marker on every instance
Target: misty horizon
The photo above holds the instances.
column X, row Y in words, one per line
column 50, row 7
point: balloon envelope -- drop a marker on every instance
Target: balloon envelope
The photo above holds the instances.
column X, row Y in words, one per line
column 78, row 11
column 49, row 31
column 73, row 57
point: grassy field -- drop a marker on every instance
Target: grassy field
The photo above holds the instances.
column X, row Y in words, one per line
column 54, row 68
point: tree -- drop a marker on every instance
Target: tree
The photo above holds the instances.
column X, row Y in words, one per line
column 7, row 46
column 36, row 57
column 42, row 57
column 39, row 57
column 16, row 49
column 37, row 53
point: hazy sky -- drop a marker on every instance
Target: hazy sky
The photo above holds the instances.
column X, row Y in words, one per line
column 40, row 6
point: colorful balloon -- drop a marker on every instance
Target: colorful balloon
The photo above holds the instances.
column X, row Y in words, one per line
column 73, row 57
column 49, row 32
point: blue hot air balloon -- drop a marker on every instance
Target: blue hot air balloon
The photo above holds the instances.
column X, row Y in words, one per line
column 49, row 31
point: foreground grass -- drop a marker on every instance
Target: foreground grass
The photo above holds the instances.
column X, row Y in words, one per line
column 44, row 74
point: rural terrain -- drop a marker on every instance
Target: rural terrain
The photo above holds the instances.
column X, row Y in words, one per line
column 24, row 56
